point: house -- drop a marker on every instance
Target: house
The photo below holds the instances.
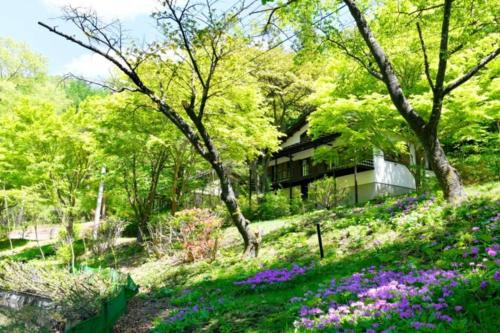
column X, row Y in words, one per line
column 291, row 169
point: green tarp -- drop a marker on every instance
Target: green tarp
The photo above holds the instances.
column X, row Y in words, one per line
column 111, row 310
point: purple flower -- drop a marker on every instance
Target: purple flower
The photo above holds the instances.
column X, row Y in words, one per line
column 491, row 252
column 483, row 284
column 458, row 308
column 496, row 276
column 273, row 276
column 378, row 293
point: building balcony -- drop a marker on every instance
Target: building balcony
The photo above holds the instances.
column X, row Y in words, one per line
column 296, row 175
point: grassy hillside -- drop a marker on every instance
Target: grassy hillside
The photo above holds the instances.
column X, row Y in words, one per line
column 399, row 265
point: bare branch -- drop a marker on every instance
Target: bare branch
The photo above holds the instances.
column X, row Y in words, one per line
column 426, row 59
column 99, row 84
column 471, row 72
column 437, row 101
column 355, row 57
column 419, row 11
column 272, row 11
column 390, row 79
column 185, row 39
column 130, row 73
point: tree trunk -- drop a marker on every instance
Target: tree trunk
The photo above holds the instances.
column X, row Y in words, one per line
column 265, row 173
column 447, row 176
column 98, row 208
column 251, row 242
column 142, row 226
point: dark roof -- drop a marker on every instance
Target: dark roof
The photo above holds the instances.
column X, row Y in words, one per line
column 295, row 148
column 298, row 124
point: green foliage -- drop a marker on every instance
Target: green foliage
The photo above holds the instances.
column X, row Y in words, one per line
column 424, row 233
column 273, row 206
column 191, row 234
column 76, row 296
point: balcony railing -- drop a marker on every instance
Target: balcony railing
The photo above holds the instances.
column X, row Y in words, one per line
column 316, row 171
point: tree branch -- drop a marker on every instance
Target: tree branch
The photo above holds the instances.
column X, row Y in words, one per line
column 426, row 59
column 390, row 79
column 437, row 101
column 471, row 72
column 131, row 74
column 358, row 59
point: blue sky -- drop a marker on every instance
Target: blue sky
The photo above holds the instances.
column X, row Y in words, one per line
column 18, row 20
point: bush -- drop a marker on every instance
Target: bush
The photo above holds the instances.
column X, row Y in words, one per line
column 76, row 296
column 194, row 232
column 297, row 206
column 108, row 233
column 251, row 212
column 198, row 233
column 274, row 206
column 162, row 237
column 324, row 194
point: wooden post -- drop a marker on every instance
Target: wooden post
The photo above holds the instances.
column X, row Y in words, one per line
column 318, row 230
column 250, row 186
column 290, row 177
column 356, row 197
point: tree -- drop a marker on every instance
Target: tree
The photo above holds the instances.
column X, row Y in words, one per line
column 285, row 86
column 45, row 144
column 145, row 156
column 467, row 30
column 201, row 47
column 426, row 131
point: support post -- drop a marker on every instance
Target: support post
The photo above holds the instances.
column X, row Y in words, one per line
column 290, row 177
column 320, row 242
column 356, row 196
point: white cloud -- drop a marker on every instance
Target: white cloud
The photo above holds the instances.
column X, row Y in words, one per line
column 109, row 9
column 90, row 66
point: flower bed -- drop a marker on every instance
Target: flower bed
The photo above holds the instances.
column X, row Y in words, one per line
column 380, row 293
column 274, row 276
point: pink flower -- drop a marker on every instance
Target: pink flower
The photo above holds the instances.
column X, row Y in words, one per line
column 491, row 252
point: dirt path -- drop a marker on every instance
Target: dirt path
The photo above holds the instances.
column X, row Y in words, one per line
column 45, row 232
column 141, row 314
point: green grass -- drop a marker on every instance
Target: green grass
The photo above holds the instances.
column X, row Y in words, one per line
column 5, row 243
column 354, row 239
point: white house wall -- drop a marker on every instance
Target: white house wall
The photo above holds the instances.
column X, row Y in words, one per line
column 391, row 173
column 364, row 177
column 295, row 157
column 295, row 138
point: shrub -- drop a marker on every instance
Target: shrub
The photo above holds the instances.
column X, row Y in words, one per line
column 193, row 231
column 324, row 193
column 162, row 237
column 198, row 233
column 76, row 296
column 251, row 212
column 297, row 206
column 108, row 233
column 274, row 206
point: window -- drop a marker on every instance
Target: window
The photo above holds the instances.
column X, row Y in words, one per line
column 282, row 171
column 304, row 137
column 305, row 167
